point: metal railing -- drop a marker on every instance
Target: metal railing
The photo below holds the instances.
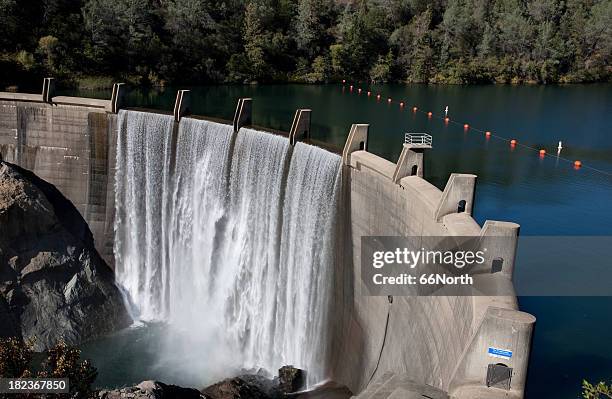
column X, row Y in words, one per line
column 418, row 139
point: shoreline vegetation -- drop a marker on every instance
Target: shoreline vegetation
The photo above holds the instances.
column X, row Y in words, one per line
column 89, row 44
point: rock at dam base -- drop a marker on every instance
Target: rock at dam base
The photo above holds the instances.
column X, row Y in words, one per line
column 152, row 390
column 258, row 386
column 54, row 286
column 247, row 386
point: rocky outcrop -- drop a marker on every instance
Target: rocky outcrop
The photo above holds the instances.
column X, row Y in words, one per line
column 291, row 379
column 152, row 390
column 247, row 386
column 258, row 386
column 53, row 284
column 243, row 387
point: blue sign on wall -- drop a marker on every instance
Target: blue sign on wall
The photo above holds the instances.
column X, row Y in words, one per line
column 500, row 353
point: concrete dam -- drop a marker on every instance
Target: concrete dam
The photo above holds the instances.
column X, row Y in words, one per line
column 251, row 240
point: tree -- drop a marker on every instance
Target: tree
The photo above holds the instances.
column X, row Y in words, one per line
column 48, row 47
column 363, row 33
column 599, row 391
column 15, row 358
column 62, row 361
column 313, row 28
column 414, row 46
column 255, row 39
column 381, row 71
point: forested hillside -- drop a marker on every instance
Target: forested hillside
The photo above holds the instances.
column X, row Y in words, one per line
column 93, row 42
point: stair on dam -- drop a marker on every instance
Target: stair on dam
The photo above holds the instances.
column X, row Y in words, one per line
column 394, row 386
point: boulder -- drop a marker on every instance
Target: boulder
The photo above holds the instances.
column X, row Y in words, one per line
column 152, row 390
column 258, row 386
column 53, row 283
column 291, row 379
column 242, row 387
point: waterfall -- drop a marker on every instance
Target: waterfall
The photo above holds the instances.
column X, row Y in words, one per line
column 237, row 256
column 143, row 153
column 307, row 258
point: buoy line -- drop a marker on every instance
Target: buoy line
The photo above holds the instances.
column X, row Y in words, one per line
column 466, row 127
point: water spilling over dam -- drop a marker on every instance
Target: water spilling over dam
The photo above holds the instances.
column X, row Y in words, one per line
column 245, row 262
column 226, row 233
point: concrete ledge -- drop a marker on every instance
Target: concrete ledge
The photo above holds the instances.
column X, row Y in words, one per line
column 373, row 162
column 84, row 102
column 461, row 224
column 37, row 98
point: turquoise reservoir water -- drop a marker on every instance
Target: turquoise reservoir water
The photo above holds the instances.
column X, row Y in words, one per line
column 546, row 196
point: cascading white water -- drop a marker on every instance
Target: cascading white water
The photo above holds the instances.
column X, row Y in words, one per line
column 307, row 257
column 143, row 153
column 243, row 268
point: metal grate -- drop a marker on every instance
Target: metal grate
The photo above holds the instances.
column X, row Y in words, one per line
column 418, row 139
column 499, row 376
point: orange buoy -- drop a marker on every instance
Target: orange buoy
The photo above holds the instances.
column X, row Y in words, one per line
column 513, row 142
column 466, row 126
column 343, row 81
column 369, row 93
column 389, row 100
column 577, row 164
column 429, row 114
column 488, row 133
column 542, row 152
column 446, row 119
column 359, row 90
column 378, row 96
column 414, row 109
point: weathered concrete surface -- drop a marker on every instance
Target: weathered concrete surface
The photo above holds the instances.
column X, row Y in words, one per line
column 423, row 343
column 68, row 146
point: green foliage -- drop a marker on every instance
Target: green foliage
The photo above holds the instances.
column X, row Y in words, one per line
column 25, row 60
column 194, row 41
column 599, row 391
column 381, row 71
column 63, row 361
column 15, row 358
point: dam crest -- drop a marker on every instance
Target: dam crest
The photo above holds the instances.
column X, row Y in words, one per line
column 213, row 186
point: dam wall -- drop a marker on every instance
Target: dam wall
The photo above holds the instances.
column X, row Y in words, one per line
column 70, row 143
column 380, row 345
column 439, row 341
